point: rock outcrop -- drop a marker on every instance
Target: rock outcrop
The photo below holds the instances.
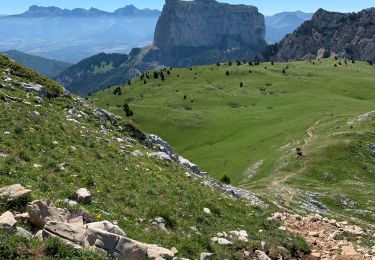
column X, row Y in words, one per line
column 350, row 36
column 100, row 239
column 14, row 192
column 41, row 212
column 7, row 220
column 189, row 28
column 104, row 237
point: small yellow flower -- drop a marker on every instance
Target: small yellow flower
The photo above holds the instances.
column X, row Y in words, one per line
column 98, row 216
column 98, row 190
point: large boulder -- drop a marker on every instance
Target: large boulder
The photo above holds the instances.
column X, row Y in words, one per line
column 14, row 192
column 107, row 226
column 7, row 220
column 40, row 212
column 124, row 248
column 131, row 249
column 75, row 233
column 24, row 233
column 78, row 235
column 38, row 89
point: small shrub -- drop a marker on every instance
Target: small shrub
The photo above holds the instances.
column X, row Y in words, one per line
column 227, row 73
column 18, row 131
column 117, row 91
column 328, row 177
column 225, row 179
column 241, row 84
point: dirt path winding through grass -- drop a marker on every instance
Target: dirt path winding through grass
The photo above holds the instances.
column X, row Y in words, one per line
column 289, row 192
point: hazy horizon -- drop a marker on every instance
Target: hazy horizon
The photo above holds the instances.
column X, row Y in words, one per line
column 267, row 7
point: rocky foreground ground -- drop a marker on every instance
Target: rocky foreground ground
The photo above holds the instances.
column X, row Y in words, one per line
column 329, row 238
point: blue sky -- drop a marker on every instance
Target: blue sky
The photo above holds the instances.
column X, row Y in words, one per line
column 265, row 6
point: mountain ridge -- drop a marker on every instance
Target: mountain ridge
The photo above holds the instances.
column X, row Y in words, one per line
column 346, row 35
column 47, row 67
column 53, row 11
column 44, row 31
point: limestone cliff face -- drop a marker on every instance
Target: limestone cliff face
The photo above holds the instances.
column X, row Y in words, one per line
column 187, row 28
column 349, row 35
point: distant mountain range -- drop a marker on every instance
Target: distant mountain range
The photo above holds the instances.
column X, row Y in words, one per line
column 72, row 35
column 46, row 67
column 52, row 11
column 281, row 24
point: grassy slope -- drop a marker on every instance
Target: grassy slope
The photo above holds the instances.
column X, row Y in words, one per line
column 229, row 129
column 47, row 67
column 125, row 188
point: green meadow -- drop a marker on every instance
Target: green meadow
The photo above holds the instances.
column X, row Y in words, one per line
column 45, row 150
column 287, row 135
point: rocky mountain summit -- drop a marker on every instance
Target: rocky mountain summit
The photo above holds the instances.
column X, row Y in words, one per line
column 186, row 28
column 188, row 33
column 346, row 35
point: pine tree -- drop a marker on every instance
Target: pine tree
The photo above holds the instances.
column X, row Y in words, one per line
column 127, row 110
